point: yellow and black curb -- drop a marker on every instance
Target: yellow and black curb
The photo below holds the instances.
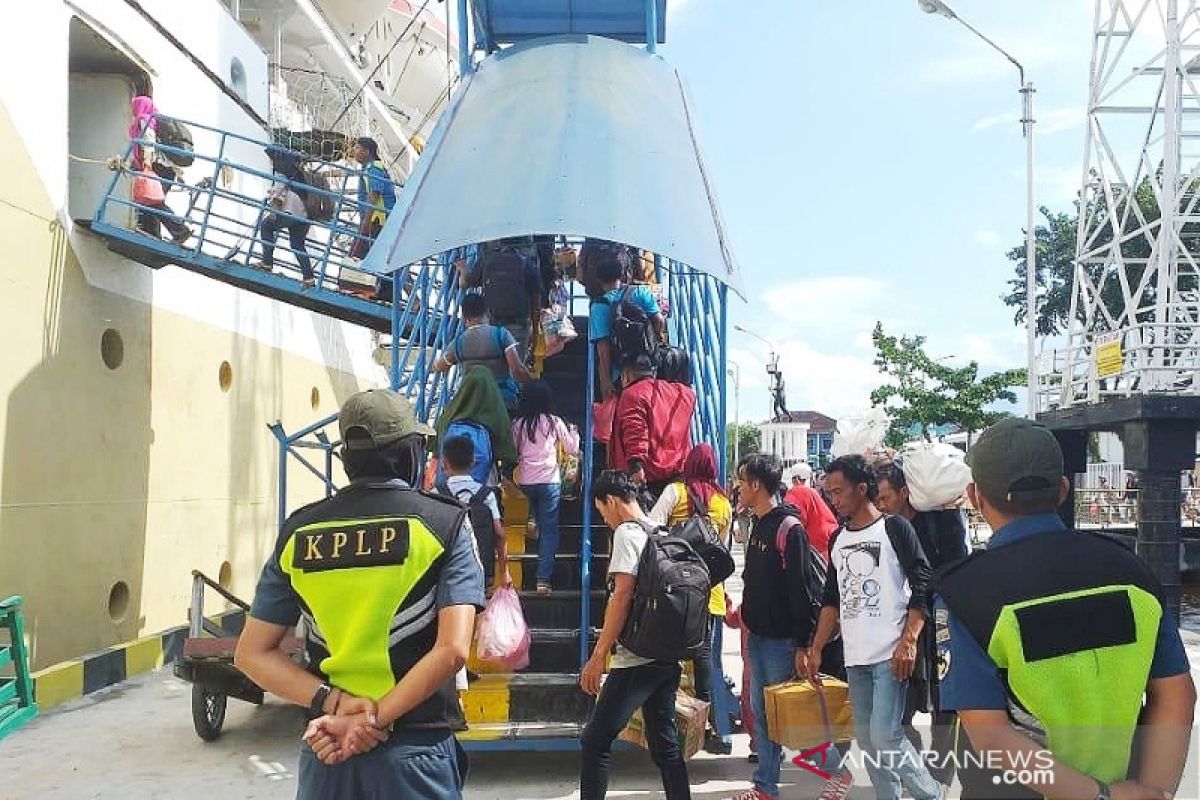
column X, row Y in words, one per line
column 69, row 680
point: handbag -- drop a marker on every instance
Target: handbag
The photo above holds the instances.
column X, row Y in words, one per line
column 147, row 190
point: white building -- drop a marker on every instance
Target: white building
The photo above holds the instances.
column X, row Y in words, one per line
column 787, row 441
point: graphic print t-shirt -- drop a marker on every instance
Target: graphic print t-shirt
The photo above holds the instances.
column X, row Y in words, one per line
column 874, row 593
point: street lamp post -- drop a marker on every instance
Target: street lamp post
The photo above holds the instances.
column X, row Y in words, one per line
column 735, row 372
column 941, row 9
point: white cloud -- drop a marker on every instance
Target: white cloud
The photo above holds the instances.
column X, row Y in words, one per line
column 817, row 302
column 988, row 238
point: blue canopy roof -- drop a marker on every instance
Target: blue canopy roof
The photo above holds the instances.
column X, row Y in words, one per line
column 578, row 135
column 507, row 21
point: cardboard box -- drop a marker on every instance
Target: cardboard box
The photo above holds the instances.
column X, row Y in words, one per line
column 691, row 715
column 797, row 717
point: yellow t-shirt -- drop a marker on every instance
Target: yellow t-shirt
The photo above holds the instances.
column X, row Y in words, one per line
column 720, row 511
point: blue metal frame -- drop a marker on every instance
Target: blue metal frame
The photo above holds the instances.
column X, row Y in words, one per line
column 230, row 224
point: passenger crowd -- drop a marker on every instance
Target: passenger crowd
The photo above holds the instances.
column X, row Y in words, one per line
column 843, row 579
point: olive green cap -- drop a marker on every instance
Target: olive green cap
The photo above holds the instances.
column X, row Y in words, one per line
column 376, row 418
column 1016, row 458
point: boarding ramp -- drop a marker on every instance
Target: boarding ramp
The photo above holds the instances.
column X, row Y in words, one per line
column 221, row 196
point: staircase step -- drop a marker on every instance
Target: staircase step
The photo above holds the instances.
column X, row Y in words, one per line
column 556, row 650
column 559, row 610
column 479, row 737
column 526, row 697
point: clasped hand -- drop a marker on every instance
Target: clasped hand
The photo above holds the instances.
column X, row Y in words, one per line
column 354, row 730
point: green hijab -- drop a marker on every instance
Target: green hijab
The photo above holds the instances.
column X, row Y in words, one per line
column 478, row 399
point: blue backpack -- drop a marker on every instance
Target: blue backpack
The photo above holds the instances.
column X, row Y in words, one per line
column 482, row 441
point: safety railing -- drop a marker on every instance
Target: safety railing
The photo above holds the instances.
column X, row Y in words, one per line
column 422, row 328
column 1124, row 508
column 227, row 205
column 696, row 322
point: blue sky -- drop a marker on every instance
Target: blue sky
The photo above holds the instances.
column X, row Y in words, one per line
column 869, row 164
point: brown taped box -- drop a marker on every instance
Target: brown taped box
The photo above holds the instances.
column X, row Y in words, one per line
column 795, row 718
column 690, row 717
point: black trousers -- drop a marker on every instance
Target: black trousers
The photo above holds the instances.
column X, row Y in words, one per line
column 297, row 231
column 652, row 688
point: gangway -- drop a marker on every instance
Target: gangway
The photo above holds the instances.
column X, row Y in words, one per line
column 225, row 208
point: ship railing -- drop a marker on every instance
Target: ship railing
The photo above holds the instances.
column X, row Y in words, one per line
column 226, row 206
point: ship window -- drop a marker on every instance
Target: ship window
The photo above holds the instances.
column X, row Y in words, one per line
column 112, row 348
column 225, row 376
column 225, row 574
column 237, row 77
column 118, row 601
column 315, row 398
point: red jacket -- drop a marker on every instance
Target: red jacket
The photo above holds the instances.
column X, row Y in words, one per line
column 653, row 423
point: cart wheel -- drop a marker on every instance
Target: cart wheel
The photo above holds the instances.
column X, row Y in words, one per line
column 208, row 712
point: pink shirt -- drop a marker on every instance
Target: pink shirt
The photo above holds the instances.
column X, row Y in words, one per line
column 539, row 457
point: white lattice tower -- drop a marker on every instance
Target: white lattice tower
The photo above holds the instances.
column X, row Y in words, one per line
column 1134, row 313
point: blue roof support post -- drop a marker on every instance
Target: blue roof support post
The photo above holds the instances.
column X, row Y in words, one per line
column 464, row 39
column 395, row 376
column 723, row 435
column 652, row 26
column 283, row 454
column 585, row 544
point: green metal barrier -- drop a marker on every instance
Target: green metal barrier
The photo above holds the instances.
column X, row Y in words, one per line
column 16, row 693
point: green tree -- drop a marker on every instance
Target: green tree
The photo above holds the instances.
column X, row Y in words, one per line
column 749, row 439
column 922, row 392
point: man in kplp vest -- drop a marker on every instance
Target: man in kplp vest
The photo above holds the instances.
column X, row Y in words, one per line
column 387, row 580
column 1049, row 640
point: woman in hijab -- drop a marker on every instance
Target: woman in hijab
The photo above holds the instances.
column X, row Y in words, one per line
column 288, row 213
column 698, row 493
column 145, row 159
column 478, row 399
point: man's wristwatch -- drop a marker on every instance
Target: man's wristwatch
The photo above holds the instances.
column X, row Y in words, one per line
column 1102, row 790
column 317, row 704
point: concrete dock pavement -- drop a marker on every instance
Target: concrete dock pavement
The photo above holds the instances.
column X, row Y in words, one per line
column 136, row 741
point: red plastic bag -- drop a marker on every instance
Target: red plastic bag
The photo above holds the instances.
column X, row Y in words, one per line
column 147, row 190
column 602, row 419
column 502, row 637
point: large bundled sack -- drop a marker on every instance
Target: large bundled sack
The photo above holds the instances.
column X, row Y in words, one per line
column 690, row 717
column 801, row 715
column 860, row 435
column 936, row 473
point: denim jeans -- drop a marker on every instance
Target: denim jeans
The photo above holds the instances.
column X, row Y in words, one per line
column 724, row 703
column 425, row 764
column 771, row 661
column 878, row 700
column 652, row 688
column 544, row 501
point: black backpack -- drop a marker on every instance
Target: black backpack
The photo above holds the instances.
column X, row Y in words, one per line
column 318, row 206
column 174, row 133
column 698, row 531
column 504, row 284
column 814, row 575
column 477, row 511
column 632, row 334
column 668, row 618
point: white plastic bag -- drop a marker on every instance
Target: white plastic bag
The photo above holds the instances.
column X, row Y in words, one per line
column 860, row 435
column 502, row 637
column 936, row 473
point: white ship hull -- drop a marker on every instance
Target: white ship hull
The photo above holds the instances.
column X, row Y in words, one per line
column 120, row 478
